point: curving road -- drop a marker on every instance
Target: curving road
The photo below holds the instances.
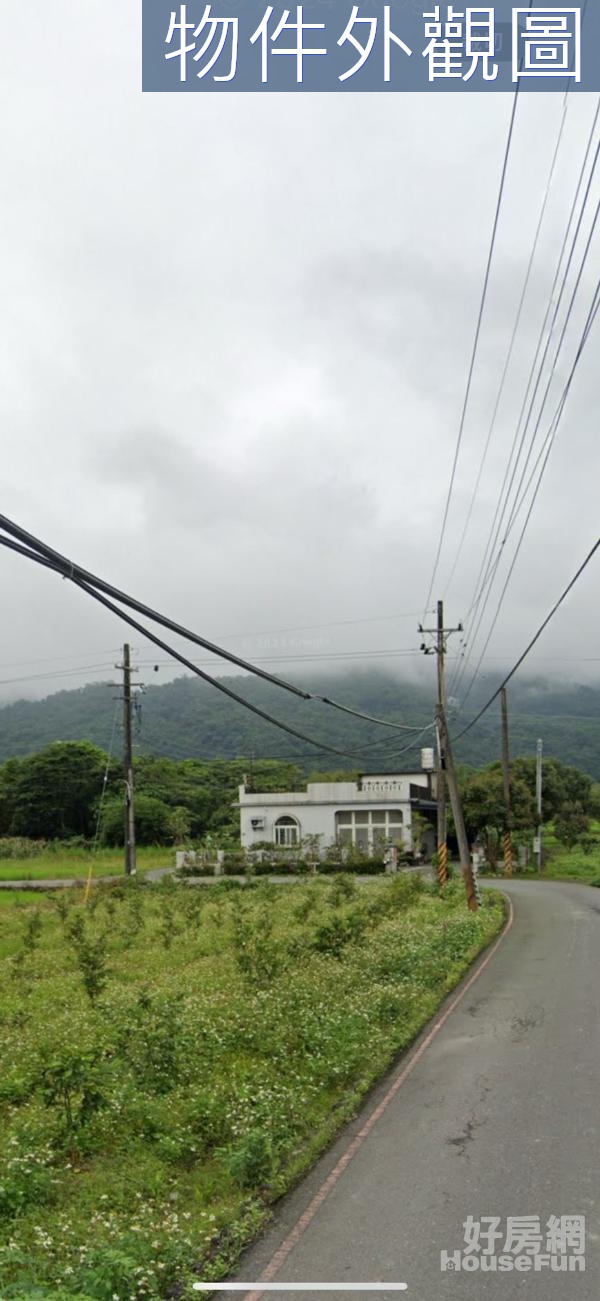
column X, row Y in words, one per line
column 499, row 1116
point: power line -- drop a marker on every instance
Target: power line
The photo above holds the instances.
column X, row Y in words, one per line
column 55, row 659
column 488, row 566
column 296, row 756
column 474, row 351
column 511, row 345
column 520, row 306
column 233, row 695
column 300, row 658
column 62, row 673
column 83, row 577
column 533, row 641
column 552, row 431
column 550, row 334
column 345, row 709
column 548, row 444
column 497, row 523
column 272, row 659
column 246, row 636
column 481, row 603
column 316, row 627
column 34, row 548
column 219, row 685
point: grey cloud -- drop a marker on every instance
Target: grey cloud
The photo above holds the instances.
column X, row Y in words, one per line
column 235, row 341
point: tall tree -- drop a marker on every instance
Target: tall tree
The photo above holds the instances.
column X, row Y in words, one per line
column 482, row 796
column 55, row 793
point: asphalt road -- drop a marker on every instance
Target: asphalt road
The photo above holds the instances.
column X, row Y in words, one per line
column 498, row 1117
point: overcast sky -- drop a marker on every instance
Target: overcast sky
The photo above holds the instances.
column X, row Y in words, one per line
column 235, row 340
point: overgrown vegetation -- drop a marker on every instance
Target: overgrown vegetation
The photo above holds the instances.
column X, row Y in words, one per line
column 57, row 859
column 56, row 794
column 173, row 1057
column 570, row 800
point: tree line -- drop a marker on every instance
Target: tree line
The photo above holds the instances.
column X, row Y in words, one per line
column 70, row 789
column 570, row 799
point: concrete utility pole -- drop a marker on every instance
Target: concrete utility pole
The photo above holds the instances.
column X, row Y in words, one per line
column 440, row 780
column 129, row 810
column 459, row 822
column 439, row 648
column 508, row 818
column 538, row 800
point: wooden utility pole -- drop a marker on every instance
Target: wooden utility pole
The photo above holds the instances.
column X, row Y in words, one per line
column 440, row 780
column 508, row 819
column 129, row 811
column 538, row 800
column 459, row 822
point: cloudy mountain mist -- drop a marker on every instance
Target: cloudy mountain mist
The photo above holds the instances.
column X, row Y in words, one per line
column 187, row 718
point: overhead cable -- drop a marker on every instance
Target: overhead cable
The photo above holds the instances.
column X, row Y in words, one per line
column 157, row 641
column 463, row 416
column 531, row 644
column 489, row 563
column 92, row 584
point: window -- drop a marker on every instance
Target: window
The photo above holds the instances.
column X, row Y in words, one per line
column 287, row 832
column 369, row 828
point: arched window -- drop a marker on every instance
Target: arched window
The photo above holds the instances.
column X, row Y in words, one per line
column 287, row 832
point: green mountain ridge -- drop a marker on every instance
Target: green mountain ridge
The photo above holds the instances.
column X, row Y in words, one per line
column 187, row 718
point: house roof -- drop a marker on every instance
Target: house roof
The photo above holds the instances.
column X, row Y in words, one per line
column 394, row 772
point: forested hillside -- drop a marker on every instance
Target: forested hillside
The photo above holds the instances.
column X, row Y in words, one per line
column 189, row 719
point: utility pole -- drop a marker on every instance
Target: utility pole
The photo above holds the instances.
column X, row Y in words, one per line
column 444, row 767
column 508, row 819
column 538, row 800
column 129, row 810
column 459, row 822
column 440, row 779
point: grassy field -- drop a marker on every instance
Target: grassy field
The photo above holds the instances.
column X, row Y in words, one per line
column 174, row 1058
column 572, row 865
column 562, row 864
column 64, row 863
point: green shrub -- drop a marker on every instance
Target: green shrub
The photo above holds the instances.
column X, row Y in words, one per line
column 21, row 847
column 333, row 935
column 152, row 1041
column 26, row 1180
column 91, row 957
column 33, row 930
column 343, row 888
column 111, row 1272
column 258, row 956
column 250, row 1164
column 71, row 1079
column 358, row 867
column 305, row 907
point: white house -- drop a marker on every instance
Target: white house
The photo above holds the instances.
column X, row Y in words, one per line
column 375, row 809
